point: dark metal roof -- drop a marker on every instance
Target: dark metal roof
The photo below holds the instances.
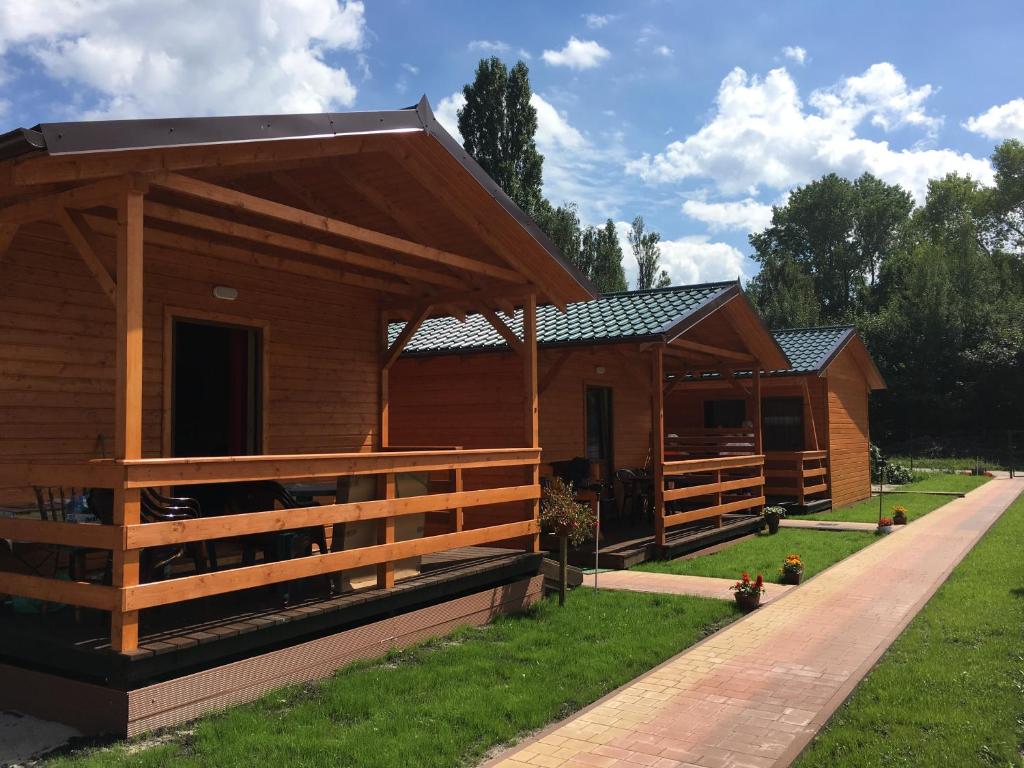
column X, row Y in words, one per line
column 119, row 135
column 659, row 314
column 810, row 350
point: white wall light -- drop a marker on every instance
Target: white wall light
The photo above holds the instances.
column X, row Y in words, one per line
column 225, row 292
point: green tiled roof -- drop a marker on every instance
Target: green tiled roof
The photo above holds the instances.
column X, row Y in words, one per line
column 613, row 317
column 811, row 349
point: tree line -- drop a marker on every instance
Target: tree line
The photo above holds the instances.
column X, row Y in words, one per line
column 937, row 290
column 499, row 126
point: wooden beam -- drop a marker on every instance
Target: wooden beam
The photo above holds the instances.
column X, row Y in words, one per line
column 501, row 327
column 54, row 168
column 386, row 535
column 810, row 412
column 46, row 206
column 531, row 402
column 196, row 244
column 756, row 415
column 391, row 354
column 85, row 243
column 203, row 190
column 124, row 625
column 221, row 226
column 491, row 295
column 658, row 444
column 713, row 351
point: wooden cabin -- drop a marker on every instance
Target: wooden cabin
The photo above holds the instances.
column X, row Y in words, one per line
column 814, row 416
column 193, row 318
column 605, row 370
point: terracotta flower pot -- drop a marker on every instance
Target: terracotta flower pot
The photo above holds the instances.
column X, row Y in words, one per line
column 792, row 577
column 747, row 602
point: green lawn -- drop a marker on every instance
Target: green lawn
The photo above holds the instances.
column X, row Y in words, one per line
column 946, row 464
column 950, row 691
column 445, row 703
column 764, row 554
column 917, row 505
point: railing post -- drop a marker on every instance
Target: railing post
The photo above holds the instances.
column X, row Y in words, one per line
column 718, row 496
column 386, row 535
column 459, row 516
column 124, row 625
column 530, row 401
column 658, row 445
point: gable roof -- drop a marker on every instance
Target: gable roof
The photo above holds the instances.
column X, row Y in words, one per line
column 658, row 314
column 556, row 275
column 812, row 350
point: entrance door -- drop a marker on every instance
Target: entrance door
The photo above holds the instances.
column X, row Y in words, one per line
column 216, row 406
column 599, row 428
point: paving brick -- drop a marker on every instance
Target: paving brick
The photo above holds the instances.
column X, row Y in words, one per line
column 750, row 696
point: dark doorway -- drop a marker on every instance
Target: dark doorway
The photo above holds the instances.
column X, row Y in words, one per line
column 599, row 428
column 782, row 420
column 215, row 389
column 724, row 414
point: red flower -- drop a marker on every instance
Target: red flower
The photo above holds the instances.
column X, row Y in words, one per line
column 746, row 577
column 760, row 581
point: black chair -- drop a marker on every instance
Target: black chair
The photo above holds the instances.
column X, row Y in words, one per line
column 636, row 494
column 54, row 503
column 156, row 561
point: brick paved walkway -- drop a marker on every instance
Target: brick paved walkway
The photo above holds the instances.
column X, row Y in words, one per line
column 754, row 694
column 674, row 584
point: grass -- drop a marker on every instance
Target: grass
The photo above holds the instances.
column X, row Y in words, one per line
column 950, row 691
column 917, row 505
column 764, row 554
column 447, row 702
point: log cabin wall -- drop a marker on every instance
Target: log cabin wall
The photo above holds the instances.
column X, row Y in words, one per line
column 475, row 401
column 57, row 365
column 848, row 430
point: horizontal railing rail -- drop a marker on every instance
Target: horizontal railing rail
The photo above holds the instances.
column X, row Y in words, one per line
column 717, row 486
column 127, row 541
column 711, row 442
column 796, row 474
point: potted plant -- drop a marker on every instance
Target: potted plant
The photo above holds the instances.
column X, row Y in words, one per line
column 885, row 525
column 773, row 516
column 748, row 593
column 569, row 520
column 899, row 515
column 792, row 569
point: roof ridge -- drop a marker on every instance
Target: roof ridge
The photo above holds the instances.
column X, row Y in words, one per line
column 666, row 289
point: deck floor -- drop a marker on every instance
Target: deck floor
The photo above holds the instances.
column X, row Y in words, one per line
column 624, row 545
column 218, row 629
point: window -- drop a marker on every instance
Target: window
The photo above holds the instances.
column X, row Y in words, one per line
column 782, row 420
column 724, row 414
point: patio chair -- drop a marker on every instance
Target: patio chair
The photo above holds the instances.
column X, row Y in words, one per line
column 156, row 561
column 636, row 497
column 65, row 505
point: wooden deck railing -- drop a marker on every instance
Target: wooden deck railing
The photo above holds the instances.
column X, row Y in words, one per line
column 127, row 596
column 708, row 443
column 796, row 474
column 699, row 489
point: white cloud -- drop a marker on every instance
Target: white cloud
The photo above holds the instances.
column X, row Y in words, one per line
column 687, row 260
column 762, row 134
column 1003, row 121
column 411, row 69
column 577, row 54
column 489, row 46
column 746, row 215
column 664, row 50
column 598, row 21
column 447, row 113
column 191, row 57
column 795, row 53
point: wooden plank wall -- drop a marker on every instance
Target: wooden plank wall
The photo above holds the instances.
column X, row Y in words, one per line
column 848, row 431
column 475, row 400
column 57, row 350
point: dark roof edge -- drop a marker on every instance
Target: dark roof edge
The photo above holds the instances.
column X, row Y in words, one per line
column 21, row 141
column 841, row 326
column 673, row 288
column 504, row 347
column 446, row 140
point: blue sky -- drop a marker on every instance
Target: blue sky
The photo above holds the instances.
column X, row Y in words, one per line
column 697, row 115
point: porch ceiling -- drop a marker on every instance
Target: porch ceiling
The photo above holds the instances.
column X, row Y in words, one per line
column 387, row 201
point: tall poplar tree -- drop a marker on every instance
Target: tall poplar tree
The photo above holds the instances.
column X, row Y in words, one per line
column 498, row 125
column 648, row 256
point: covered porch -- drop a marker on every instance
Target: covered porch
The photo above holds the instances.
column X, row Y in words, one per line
column 298, row 239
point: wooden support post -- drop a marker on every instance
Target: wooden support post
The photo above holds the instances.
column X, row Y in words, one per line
column 386, row 535
column 124, row 625
column 658, row 444
column 384, row 425
column 531, row 412
column 459, row 521
column 755, row 416
column 718, row 496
